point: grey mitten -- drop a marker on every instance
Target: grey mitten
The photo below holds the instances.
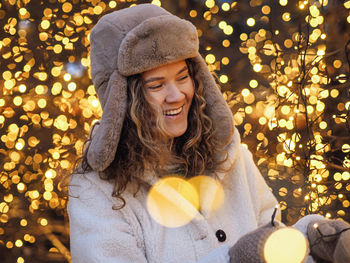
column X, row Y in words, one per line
column 249, row 247
column 330, row 240
column 270, row 243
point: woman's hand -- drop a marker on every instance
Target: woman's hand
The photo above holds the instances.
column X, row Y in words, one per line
column 330, row 240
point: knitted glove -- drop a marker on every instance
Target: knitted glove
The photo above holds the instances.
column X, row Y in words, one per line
column 270, row 243
column 251, row 248
column 330, row 240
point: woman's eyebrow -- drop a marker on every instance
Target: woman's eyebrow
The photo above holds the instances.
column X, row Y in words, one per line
column 153, row 79
column 160, row 78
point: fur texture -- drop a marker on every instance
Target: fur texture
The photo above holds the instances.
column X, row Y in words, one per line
column 157, row 41
column 134, row 40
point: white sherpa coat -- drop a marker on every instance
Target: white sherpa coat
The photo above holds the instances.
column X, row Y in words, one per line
column 102, row 234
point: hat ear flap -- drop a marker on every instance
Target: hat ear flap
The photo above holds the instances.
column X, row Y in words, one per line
column 217, row 108
column 103, row 146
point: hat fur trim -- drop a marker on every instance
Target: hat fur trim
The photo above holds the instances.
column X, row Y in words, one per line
column 105, row 141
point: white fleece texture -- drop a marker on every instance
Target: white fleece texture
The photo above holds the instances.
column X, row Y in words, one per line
column 101, row 234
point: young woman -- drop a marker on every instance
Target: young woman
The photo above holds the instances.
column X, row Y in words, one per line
column 162, row 115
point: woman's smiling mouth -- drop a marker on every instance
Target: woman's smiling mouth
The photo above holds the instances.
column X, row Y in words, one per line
column 173, row 112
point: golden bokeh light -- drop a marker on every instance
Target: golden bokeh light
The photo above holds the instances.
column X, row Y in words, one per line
column 173, row 202
column 277, row 247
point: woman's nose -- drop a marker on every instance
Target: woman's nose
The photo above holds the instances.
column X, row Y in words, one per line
column 174, row 93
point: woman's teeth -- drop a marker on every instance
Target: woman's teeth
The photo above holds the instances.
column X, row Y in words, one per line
column 172, row 112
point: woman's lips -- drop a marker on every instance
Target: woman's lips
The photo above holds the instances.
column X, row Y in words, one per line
column 172, row 114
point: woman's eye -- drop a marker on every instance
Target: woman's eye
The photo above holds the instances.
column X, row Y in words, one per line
column 183, row 77
column 155, row 87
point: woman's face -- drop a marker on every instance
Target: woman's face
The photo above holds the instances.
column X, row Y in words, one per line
column 170, row 90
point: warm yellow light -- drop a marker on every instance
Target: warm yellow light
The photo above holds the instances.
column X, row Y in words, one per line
column 20, row 260
column 67, row 7
column 67, row 77
column 45, row 24
column 193, row 13
column 49, row 174
column 225, row 6
column 266, row 10
column 345, row 148
column 49, row 187
column 225, row 60
column 337, row 176
column 112, row 4
column 43, row 222
column 42, row 103
column 72, row 86
column 210, row 192
column 323, row 125
column 251, row 50
column 286, row 17
column 243, row 36
column 310, row 109
column 223, row 79
column 35, row 194
column 56, row 155
column 210, row 3
column 173, row 202
column 22, row 11
column 22, row 88
column 228, row 30
column 248, row 109
column 283, row 2
column 250, row 21
column 285, row 109
column 253, row 83
column 19, row 243
column 17, row 100
column 245, row 92
column 23, row 222
column 9, row 84
column 21, row 187
column 346, row 175
column 226, row 43
column 210, row 58
column 314, row 11
column 347, row 4
column 47, row 196
column 320, row 52
column 289, row 145
column 257, row 67
column 287, row 245
column 39, row 89
column 98, row 10
column 262, row 121
column 19, row 145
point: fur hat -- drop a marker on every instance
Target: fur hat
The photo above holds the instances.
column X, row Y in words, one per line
column 131, row 41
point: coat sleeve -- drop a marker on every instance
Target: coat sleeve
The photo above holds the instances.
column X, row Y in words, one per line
column 99, row 233
column 264, row 200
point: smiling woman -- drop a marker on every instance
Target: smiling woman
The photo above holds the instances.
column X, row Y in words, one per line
column 164, row 177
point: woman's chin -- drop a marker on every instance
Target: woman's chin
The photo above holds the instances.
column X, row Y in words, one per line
column 176, row 132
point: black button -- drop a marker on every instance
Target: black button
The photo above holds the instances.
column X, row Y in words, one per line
column 221, row 235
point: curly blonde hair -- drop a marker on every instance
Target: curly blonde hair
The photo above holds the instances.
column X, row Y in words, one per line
column 144, row 143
